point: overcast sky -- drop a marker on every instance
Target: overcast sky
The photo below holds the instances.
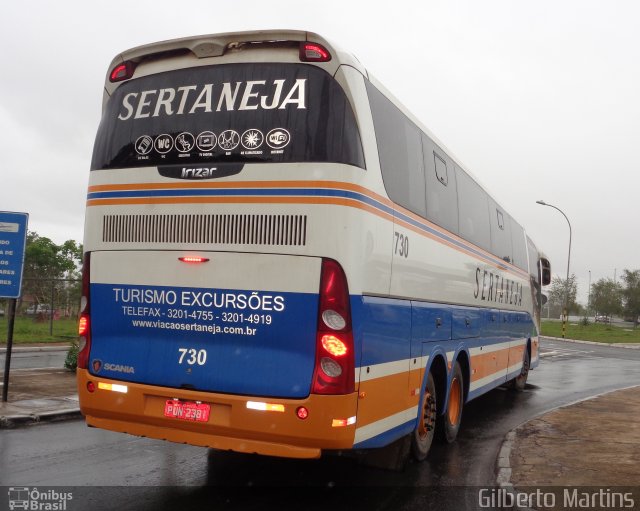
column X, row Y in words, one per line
column 540, row 100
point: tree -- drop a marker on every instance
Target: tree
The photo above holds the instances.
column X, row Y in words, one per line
column 631, row 294
column 606, row 297
column 557, row 294
column 46, row 265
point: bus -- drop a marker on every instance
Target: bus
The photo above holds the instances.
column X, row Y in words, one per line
column 280, row 259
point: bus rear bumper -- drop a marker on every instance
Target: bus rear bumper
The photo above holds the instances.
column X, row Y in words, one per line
column 231, row 425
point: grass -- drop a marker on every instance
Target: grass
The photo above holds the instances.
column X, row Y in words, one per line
column 597, row 332
column 28, row 329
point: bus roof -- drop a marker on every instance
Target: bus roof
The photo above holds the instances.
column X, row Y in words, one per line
column 217, row 45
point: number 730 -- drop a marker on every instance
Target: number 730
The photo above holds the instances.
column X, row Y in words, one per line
column 192, row 357
column 401, row 245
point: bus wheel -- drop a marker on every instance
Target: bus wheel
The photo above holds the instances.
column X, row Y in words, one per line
column 520, row 381
column 423, row 434
column 449, row 422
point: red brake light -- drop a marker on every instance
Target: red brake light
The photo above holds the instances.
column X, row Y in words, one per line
column 334, row 294
column 193, row 259
column 122, row 72
column 334, row 371
column 84, row 324
column 313, row 52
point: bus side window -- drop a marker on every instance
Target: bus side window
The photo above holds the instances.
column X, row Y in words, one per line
column 519, row 245
column 500, row 233
column 534, row 267
column 473, row 205
column 400, row 153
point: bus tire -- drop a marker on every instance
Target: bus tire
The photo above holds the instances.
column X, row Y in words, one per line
column 449, row 421
column 422, row 437
column 519, row 382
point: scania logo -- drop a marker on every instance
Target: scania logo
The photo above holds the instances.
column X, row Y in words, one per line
column 119, row 368
column 278, row 138
column 97, row 365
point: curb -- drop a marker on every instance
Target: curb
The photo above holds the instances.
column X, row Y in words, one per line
column 628, row 346
column 503, row 464
column 12, row 421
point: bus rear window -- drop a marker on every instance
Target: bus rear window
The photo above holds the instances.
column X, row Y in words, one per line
column 237, row 113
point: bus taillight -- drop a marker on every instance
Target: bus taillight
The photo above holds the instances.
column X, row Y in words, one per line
column 334, row 371
column 84, row 324
column 314, row 52
column 122, row 72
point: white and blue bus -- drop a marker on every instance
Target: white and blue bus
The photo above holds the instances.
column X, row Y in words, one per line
column 280, row 259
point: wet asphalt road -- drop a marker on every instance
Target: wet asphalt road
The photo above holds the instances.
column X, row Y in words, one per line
column 135, row 473
column 34, row 358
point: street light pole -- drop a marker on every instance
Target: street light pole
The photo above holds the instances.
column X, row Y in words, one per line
column 589, row 297
column 565, row 314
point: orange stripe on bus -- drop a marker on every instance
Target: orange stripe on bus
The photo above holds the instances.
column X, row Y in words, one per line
column 486, row 364
column 384, row 396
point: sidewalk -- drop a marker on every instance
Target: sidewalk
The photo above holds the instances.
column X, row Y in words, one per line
column 37, row 395
column 593, row 443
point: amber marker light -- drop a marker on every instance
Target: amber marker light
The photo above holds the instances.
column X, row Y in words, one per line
column 341, row 423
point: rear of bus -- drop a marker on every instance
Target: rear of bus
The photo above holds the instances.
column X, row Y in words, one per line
column 220, row 263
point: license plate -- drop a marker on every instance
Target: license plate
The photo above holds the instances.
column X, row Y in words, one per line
column 187, row 410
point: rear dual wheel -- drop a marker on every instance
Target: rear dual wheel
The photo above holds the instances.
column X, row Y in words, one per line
column 449, row 421
column 422, row 437
column 519, row 382
column 429, row 422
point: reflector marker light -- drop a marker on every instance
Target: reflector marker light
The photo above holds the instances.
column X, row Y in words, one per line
column 113, row 387
column 265, row 407
column 302, row 413
column 193, row 259
column 340, row 423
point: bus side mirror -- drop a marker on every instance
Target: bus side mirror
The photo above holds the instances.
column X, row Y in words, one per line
column 544, row 299
column 546, row 272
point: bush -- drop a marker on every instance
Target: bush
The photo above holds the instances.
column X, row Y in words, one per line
column 71, row 362
column 585, row 321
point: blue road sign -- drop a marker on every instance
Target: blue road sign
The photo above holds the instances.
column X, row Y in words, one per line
column 13, row 239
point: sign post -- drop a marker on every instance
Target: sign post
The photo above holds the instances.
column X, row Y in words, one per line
column 13, row 240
